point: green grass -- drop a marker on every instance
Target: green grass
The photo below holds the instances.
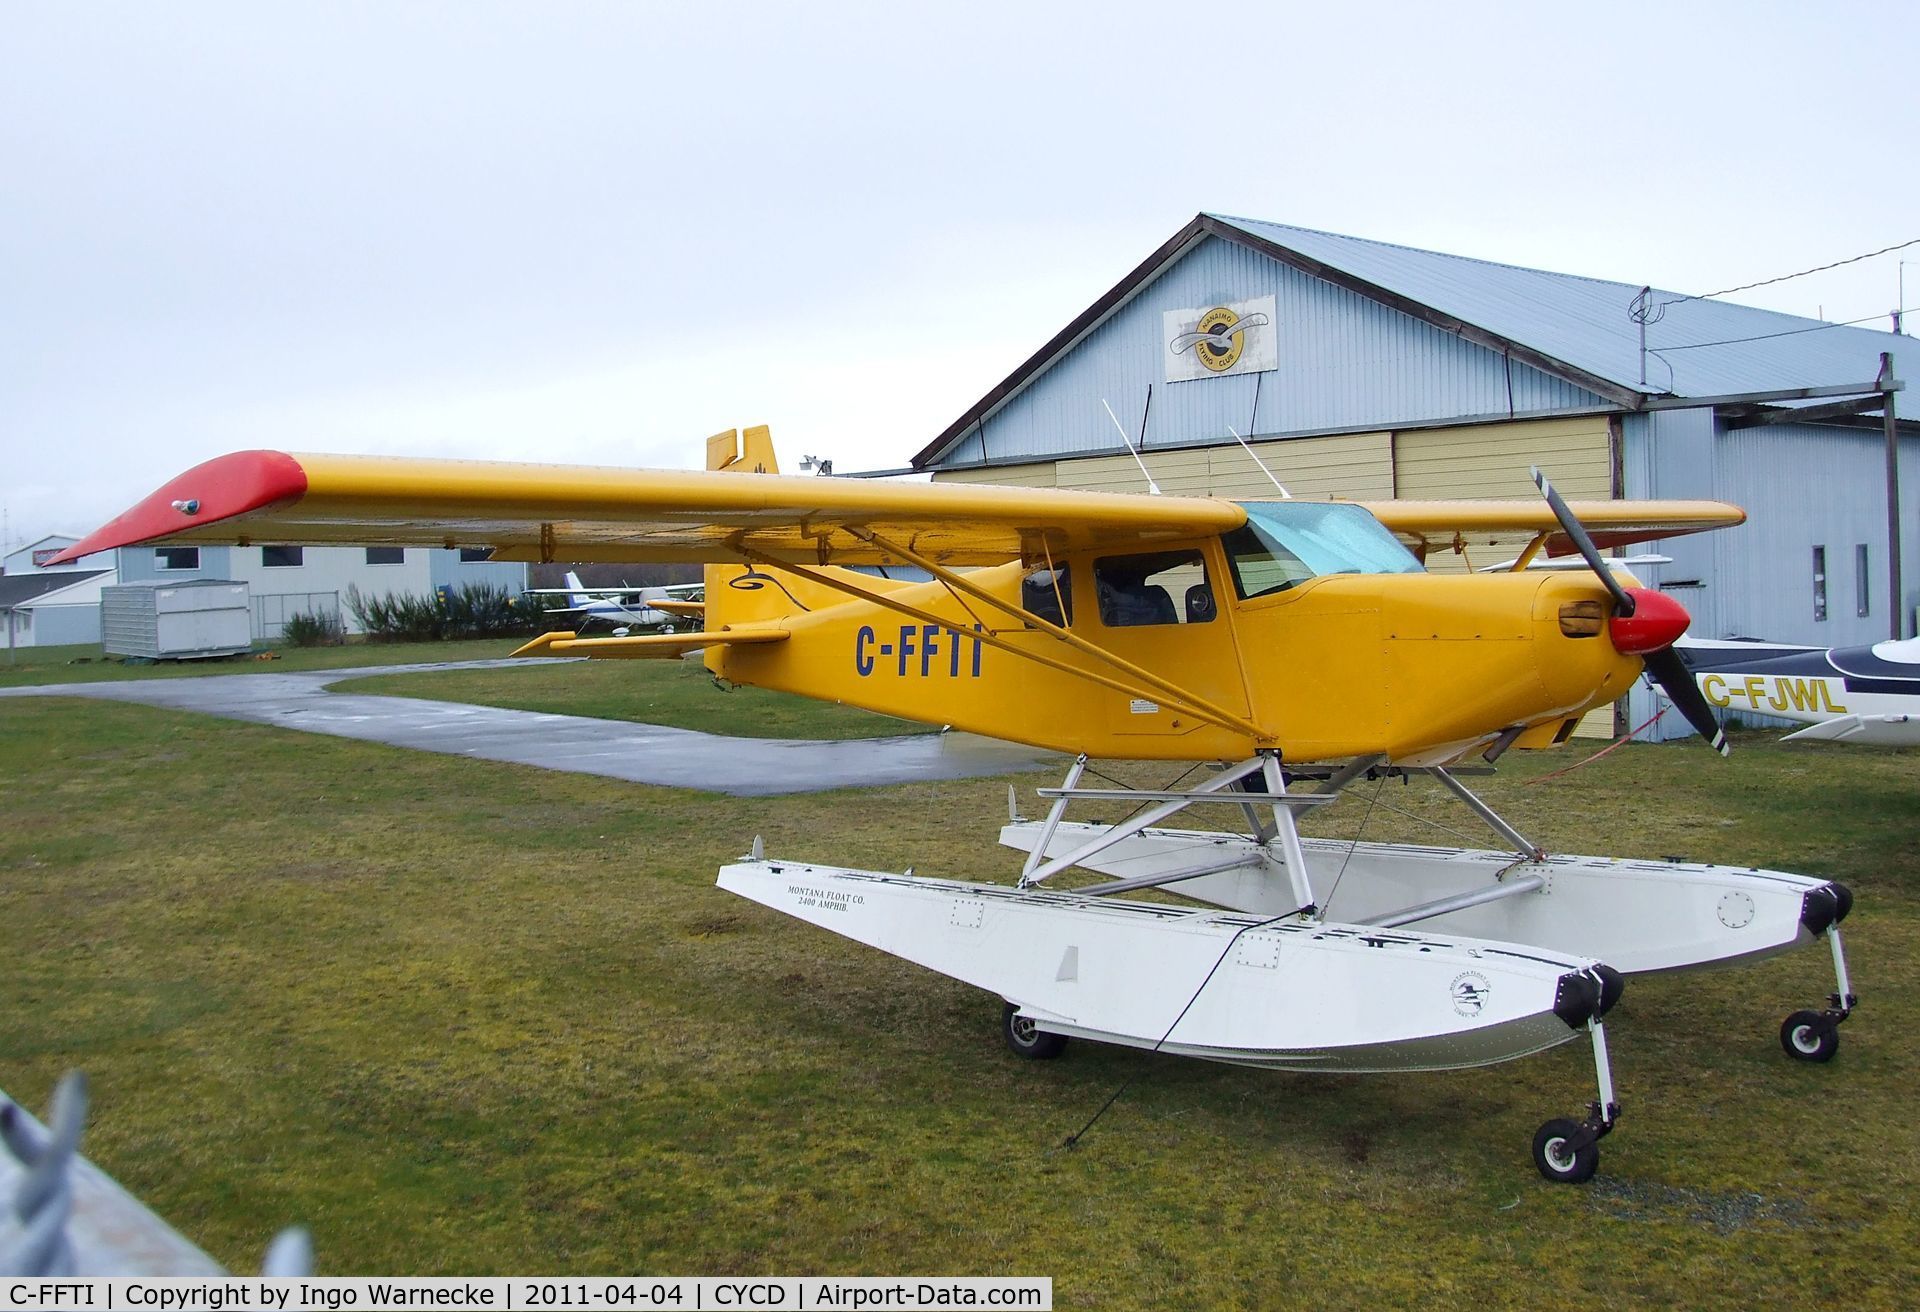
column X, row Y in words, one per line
column 463, row 1017
column 675, row 692
column 88, row 664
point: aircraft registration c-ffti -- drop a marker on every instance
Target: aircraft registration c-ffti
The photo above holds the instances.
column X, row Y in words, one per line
column 1298, row 646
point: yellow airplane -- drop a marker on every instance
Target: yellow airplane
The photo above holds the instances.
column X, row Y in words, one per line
column 1301, row 646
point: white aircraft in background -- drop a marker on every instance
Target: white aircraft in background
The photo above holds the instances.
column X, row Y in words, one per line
column 628, row 608
column 1867, row 694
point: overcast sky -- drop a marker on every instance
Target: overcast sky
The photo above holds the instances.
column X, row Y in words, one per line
column 599, row 232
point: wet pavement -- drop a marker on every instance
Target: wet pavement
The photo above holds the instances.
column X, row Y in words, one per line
column 616, row 749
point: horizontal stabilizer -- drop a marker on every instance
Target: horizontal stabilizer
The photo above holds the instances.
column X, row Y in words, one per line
column 660, row 646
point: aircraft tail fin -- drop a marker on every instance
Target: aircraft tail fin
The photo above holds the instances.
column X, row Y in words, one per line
column 735, row 596
column 576, row 595
column 748, row 452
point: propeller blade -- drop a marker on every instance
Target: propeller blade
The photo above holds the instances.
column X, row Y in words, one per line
column 1577, row 532
column 1666, row 668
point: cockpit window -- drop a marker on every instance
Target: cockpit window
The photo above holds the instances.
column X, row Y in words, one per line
column 1289, row 542
column 1139, row 590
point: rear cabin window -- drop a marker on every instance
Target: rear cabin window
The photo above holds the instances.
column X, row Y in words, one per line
column 1048, row 593
column 1161, row 587
column 1288, row 542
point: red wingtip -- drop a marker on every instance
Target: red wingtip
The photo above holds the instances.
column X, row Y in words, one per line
column 222, row 488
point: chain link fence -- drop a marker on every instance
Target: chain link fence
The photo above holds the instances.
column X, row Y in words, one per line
column 60, row 1215
column 272, row 610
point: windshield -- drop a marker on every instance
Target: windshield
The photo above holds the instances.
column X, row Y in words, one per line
column 1289, row 542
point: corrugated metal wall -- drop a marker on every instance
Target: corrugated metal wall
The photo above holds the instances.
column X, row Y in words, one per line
column 1805, row 486
column 1346, row 362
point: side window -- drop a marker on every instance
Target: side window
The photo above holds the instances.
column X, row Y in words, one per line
column 1048, row 593
column 1163, row 587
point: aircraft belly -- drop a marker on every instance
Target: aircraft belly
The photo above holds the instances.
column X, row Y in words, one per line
column 1199, row 982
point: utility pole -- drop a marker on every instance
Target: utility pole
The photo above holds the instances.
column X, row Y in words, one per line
column 1896, row 620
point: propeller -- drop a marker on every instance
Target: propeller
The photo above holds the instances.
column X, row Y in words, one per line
column 1645, row 624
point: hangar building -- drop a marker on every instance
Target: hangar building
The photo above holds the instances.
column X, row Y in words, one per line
column 1361, row 369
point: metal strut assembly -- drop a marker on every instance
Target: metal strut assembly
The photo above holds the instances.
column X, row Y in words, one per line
column 1221, row 788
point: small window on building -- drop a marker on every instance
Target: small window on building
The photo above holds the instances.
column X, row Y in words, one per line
column 1048, row 593
column 1819, row 584
column 1862, row 601
column 176, row 558
column 386, row 555
column 1138, row 590
column 475, row 555
column 282, row 557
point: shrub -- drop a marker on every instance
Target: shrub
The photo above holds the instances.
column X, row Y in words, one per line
column 313, row 631
column 475, row 610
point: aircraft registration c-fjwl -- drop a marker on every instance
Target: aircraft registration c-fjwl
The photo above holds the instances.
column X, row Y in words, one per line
column 1866, row 695
column 1301, row 643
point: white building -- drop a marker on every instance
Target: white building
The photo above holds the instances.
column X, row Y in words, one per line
column 45, row 605
column 59, row 605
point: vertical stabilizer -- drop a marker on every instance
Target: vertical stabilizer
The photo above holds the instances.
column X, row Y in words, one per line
column 749, row 452
column 738, row 452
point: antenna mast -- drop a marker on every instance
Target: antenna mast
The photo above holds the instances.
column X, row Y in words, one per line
column 1152, row 486
column 1284, row 494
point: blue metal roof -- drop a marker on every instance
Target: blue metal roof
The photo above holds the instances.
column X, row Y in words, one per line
column 1580, row 329
column 1695, row 348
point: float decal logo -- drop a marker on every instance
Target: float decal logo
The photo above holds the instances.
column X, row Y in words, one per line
column 1470, row 990
column 1235, row 338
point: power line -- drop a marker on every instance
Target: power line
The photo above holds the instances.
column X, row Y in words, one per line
column 1645, row 310
column 1786, row 277
column 1790, row 332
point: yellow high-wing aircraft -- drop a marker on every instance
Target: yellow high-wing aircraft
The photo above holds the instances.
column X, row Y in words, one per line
column 1293, row 642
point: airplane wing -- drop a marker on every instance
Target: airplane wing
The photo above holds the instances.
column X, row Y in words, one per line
column 528, row 512
column 1436, row 525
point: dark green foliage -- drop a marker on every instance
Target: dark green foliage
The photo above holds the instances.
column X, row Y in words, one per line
column 313, row 631
column 474, row 610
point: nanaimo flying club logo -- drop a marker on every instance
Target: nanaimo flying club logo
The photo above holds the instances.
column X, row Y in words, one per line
column 1229, row 338
column 1219, row 338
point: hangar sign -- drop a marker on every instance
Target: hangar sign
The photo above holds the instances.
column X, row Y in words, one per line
column 1214, row 340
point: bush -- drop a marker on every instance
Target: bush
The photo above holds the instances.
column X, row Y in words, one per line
column 313, row 631
column 476, row 610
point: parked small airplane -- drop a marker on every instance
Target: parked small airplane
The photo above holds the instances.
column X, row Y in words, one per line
column 1301, row 643
column 1868, row 695
column 626, row 609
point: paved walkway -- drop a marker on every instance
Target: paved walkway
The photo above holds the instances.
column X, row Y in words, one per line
column 616, row 749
